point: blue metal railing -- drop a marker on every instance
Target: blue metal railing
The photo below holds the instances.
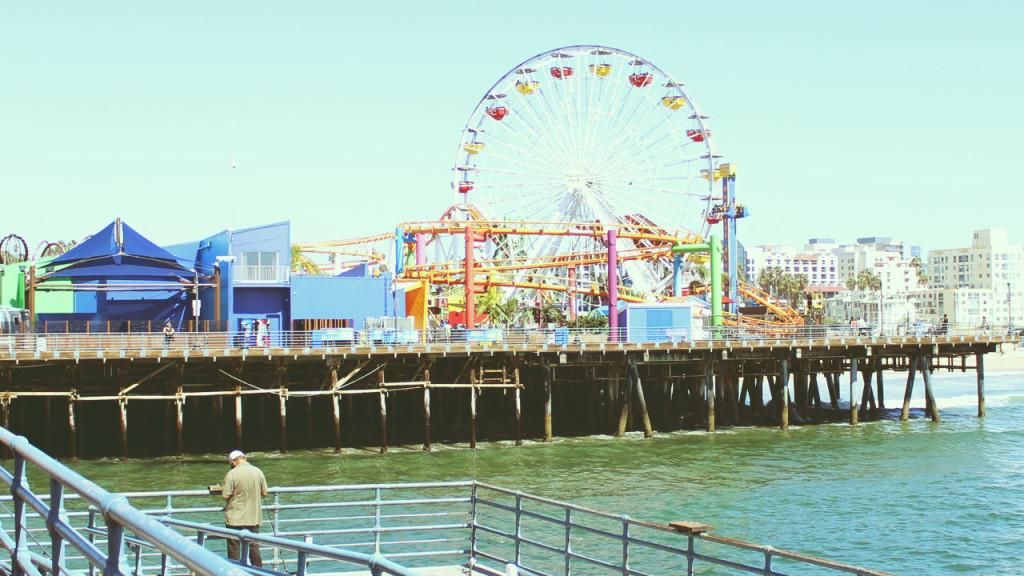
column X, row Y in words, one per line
column 123, row 528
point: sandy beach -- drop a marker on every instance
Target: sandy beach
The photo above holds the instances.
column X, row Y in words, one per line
column 1011, row 358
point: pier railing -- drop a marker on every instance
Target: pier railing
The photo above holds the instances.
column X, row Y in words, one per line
column 154, row 343
column 398, row 529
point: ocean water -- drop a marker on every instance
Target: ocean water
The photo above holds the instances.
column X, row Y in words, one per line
column 912, row 497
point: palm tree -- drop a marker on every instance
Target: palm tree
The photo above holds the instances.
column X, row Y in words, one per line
column 770, row 279
column 866, row 280
column 302, row 263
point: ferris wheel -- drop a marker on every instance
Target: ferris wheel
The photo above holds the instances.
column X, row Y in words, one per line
column 586, row 134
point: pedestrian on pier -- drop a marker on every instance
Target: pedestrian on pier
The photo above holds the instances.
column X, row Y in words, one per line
column 944, row 325
column 244, row 488
column 168, row 334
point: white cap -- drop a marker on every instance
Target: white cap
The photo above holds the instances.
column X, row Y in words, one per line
column 235, row 455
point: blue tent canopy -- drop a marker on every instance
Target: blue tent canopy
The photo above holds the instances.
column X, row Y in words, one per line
column 118, row 252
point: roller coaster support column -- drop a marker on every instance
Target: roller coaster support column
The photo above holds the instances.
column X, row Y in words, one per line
column 471, row 288
column 714, row 247
column 613, row 285
column 421, row 249
column 730, row 211
column 572, row 293
column 677, row 272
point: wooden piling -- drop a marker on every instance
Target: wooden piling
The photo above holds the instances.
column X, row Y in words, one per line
column 980, row 364
column 648, row 431
column 867, row 394
column 5, row 419
column 47, row 426
column 783, row 385
column 426, row 417
column 72, row 426
column 335, row 404
column 472, row 416
column 217, row 403
column 336, row 407
column 911, row 369
column 933, row 408
column 179, row 403
column 709, row 392
column 383, row 413
column 282, row 397
column 518, row 409
column 732, row 394
column 879, row 368
column 238, row 417
column 122, row 403
column 853, row 399
column 547, row 401
column 832, row 381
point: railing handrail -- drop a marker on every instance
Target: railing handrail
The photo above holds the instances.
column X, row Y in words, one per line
column 121, row 517
column 117, row 512
column 481, row 510
column 57, row 342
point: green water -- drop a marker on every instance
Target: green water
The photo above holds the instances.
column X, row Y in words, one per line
column 908, row 498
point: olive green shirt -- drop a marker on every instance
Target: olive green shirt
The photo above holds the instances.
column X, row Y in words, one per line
column 244, row 486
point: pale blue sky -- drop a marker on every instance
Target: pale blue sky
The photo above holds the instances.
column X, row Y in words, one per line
column 846, row 119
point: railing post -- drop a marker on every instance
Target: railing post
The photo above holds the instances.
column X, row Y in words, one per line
column 625, row 546
column 376, row 520
column 19, row 481
column 57, row 515
column 472, row 524
column 116, row 562
column 567, row 550
column 519, row 528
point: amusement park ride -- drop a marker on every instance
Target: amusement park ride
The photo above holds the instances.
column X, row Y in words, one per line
column 576, row 158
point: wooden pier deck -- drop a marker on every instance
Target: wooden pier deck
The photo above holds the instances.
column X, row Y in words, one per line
column 370, row 395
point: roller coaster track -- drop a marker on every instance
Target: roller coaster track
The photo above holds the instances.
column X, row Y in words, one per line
column 650, row 243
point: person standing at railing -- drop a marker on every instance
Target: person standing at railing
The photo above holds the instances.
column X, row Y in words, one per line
column 168, row 334
column 244, row 488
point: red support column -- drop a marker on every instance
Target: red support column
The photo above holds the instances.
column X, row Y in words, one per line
column 470, row 284
column 613, row 285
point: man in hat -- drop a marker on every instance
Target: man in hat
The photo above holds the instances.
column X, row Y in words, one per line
column 244, row 487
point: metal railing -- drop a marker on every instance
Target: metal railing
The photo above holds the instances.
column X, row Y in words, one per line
column 28, row 555
column 262, row 274
column 392, row 529
column 507, row 337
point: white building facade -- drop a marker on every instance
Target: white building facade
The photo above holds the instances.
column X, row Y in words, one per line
column 984, row 281
column 816, row 261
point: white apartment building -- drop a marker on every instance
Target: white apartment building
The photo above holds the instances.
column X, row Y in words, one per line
column 983, row 281
column 816, row 261
column 885, row 259
column 827, row 264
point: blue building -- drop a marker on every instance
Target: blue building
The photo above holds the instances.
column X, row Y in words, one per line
column 235, row 280
column 252, row 268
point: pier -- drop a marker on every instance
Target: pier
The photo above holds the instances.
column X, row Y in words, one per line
column 125, row 395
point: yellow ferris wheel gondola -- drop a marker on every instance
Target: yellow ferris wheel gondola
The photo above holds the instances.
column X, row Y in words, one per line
column 527, row 87
column 673, row 102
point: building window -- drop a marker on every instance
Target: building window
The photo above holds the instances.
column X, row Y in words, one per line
column 261, row 267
